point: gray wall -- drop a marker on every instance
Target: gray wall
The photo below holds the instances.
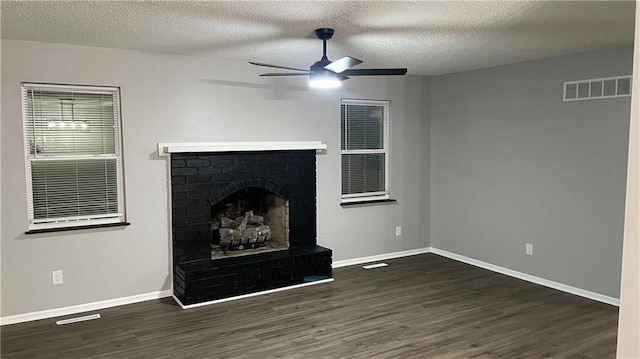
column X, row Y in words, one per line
column 513, row 164
column 482, row 162
column 183, row 99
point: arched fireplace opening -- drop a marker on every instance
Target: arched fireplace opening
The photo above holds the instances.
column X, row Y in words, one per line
column 250, row 220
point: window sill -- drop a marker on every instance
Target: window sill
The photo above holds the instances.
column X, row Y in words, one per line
column 361, row 203
column 89, row 226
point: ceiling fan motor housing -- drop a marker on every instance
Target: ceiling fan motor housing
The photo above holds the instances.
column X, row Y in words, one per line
column 324, row 33
column 318, row 66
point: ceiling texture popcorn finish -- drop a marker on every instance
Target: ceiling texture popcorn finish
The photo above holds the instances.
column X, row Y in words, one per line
column 427, row 37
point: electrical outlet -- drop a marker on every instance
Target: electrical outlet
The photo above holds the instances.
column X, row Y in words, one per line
column 398, row 231
column 56, row 277
column 528, row 249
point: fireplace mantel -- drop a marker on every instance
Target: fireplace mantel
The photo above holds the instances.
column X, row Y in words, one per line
column 166, row 148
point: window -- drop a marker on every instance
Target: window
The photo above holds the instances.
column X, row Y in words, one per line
column 364, row 129
column 73, row 155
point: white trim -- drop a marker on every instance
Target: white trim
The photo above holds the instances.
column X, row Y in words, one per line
column 189, row 306
column 74, row 222
column 79, row 218
column 20, row 318
column 492, row 267
column 529, row 278
column 366, row 195
column 84, row 88
column 47, row 157
column 165, row 148
column 370, row 197
column 74, row 309
column 380, row 257
column 385, row 150
column 356, row 101
column 30, row 159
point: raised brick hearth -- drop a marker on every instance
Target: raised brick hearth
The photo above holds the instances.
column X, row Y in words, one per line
column 205, row 280
column 201, row 180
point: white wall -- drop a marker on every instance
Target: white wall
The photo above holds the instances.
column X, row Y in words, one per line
column 513, row 164
column 629, row 320
column 182, row 99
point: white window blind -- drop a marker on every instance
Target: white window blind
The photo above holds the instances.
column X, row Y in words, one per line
column 73, row 155
column 364, row 137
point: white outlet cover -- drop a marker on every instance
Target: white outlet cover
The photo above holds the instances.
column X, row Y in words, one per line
column 398, row 230
column 529, row 249
column 56, row 277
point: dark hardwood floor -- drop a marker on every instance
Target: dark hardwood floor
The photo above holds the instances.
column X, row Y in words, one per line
column 423, row 306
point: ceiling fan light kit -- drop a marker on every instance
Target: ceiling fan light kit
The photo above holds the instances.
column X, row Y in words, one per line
column 324, row 81
column 330, row 74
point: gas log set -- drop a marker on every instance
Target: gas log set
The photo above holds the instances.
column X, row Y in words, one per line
column 248, row 221
column 248, row 231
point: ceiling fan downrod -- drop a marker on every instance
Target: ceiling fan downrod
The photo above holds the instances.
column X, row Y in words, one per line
column 324, row 34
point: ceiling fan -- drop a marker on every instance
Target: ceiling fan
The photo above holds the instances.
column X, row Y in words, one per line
column 329, row 74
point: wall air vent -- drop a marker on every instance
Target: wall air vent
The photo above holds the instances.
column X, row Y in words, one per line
column 619, row 86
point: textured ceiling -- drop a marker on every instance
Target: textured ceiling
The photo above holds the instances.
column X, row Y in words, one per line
column 427, row 37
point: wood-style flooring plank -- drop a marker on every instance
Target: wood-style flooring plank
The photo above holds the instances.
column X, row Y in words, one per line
column 422, row 306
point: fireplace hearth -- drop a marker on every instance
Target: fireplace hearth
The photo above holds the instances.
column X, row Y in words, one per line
column 243, row 222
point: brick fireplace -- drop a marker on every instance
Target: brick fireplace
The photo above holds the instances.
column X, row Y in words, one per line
column 243, row 219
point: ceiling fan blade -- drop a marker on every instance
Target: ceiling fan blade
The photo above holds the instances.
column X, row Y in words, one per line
column 285, row 74
column 375, row 72
column 342, row 64
column 278, row 66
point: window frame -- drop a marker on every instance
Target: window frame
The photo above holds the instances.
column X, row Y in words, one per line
column 75, row 222
column 386, row 150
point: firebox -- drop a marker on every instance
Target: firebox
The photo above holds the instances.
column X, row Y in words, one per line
column 251, row 220
column 243, row 221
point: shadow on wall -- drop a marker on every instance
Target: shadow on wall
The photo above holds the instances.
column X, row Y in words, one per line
column 275, row 89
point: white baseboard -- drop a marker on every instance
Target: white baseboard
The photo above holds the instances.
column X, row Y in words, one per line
column 189, row 306
column 44, row 314
column 380, row 257
column 529, row 278
column 75, row 309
